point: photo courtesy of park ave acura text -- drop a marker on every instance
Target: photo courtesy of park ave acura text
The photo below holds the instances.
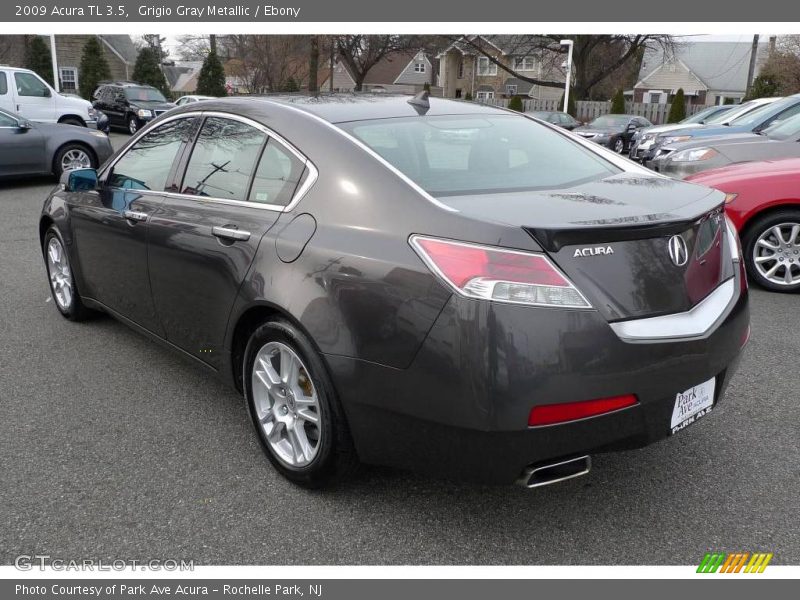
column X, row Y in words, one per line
column 277, row 293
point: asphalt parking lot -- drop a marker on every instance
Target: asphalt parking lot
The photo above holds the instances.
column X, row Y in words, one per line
column 113, row 447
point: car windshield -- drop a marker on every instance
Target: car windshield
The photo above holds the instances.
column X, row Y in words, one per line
column 759, row 115
column 610, row 121
column 784, row 130
column 478, row 154
column 144, row 94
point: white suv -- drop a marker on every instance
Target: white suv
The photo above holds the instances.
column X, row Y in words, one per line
column 23, row 92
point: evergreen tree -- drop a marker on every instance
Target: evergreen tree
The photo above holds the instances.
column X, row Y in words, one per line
column 677, row 112
column 515, row 103
column 147, row 70
column 37, row 58
column 94, row 67
column 211, row 81
column 291, row 85
column 468, row 97
column 618, row 104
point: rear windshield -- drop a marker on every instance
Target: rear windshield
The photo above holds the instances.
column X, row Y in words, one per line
column 144, row 94
column 453, row 155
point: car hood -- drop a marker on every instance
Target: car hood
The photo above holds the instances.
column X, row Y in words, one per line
column 716, row 141
column 587, row 129
column 748, row 172
column 659, row 129
column 151, row 104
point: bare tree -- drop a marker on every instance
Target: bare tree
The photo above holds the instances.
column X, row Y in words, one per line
column 268, row 63
column 313, row 64
column 595, row 58
column 193, row 47
column 362, row 52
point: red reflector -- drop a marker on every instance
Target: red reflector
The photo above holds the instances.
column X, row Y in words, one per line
column 569, row 411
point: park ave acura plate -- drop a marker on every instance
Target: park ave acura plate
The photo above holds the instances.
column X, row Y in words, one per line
column 692, row 404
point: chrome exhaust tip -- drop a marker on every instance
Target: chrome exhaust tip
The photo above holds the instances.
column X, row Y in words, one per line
column 538, row 476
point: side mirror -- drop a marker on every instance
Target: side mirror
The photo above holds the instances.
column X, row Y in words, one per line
column 47, row 93
column 23, row 124
column 79, row 180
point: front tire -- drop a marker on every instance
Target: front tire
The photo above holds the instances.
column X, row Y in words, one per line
column 619, row 146
column 71, row 157
column 62, row 281
column 133, row 124
column 772, row 251
column 294, row 408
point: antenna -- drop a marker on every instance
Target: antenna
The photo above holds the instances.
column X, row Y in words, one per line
column 420, row 103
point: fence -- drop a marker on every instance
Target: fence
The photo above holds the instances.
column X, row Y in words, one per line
column 587, row 110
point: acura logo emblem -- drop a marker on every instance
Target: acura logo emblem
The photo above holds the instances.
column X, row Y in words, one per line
column 678, row 251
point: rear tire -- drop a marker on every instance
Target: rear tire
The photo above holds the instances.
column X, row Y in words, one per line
column 619, row 146
column 294, row 408
column 772, row 249
column 62, row 281
column 73, row 156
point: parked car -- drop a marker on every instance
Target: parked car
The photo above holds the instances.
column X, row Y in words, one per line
column 130, row 105
column 643, row 143
column 25, row 93
column 753, row 122
column 763, row 202
column 780, row 140
column 613, row 131
column 561, row 119
column 683, row 133
column 192, row 98
column 495, row 307
column 30, row 148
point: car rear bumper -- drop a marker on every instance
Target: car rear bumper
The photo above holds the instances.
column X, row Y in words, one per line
column 461, row 409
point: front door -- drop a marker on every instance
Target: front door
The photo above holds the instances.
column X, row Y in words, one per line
column 204, row 238
column 111, row 224
column 34, row 99
column 21, row 149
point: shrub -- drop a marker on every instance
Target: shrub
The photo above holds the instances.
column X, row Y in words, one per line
column 677, row 112
column 515, row 103
column 147, row 70
column 94, row 67
column 211, row 81
column 618, row 104
column 37, row 58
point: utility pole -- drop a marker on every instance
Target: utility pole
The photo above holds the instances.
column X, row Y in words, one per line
column 313, row 65
column 330, row 75
column 751, row 71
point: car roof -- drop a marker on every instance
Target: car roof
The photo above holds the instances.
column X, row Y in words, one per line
column 8, row 68
column 341, row 108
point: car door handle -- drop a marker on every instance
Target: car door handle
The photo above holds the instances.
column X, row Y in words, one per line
column 133, row 215
column 230, row 233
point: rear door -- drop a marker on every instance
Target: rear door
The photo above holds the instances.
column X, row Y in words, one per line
column 34, row 100
column 110, row 225
column 235, row 183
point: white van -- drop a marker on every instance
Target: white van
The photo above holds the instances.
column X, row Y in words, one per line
column 22, row 91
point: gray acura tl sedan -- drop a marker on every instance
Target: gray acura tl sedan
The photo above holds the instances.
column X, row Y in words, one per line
column 420, row 283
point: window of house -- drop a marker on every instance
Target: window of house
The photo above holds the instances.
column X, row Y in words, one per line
column 147, row 164
column 655, row 97
column 461, row 69
column 524, row 63
column 511, row 90
column 486, row 67
column 419, row 67
column 277, row 176
column 484, row 96
column 69, row 79
column 223, row 159
column 3, row 84
column 458, row 93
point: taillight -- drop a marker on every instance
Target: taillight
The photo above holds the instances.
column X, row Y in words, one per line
column 550, row 414
column 498, row 274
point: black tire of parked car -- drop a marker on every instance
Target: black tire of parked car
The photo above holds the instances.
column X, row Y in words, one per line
column 58, row 158
column 336, row 458
column 133, row 124
column 76, row 311
column 753, row 231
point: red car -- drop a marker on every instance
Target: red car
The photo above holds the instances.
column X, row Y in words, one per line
column 763, row 201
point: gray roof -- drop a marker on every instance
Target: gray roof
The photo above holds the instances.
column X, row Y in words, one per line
column 721, row 66
column 123, row 45
column 523, row 87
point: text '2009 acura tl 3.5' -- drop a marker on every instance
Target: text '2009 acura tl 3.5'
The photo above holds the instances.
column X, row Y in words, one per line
column 427, row 284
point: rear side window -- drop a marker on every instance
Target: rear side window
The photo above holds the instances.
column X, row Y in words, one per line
column 147, row 164
column 3, row 84
column 277, row 176
column 223, row 159
column 480, row 154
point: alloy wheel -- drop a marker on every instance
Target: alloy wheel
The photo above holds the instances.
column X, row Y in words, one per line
column 776, row 254
column 60, row 274
column 286, row 403
column 133, row 126
column 619, row 146
column 75, row 159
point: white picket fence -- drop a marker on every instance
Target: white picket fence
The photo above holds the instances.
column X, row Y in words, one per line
column 588, row 110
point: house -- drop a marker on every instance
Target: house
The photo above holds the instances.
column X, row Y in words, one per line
column 398, row 72
column 709, row 72
column 182, row 77
column 119, row 52
column 466, row 70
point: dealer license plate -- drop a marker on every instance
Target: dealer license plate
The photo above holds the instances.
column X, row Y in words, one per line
column 692, row 404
